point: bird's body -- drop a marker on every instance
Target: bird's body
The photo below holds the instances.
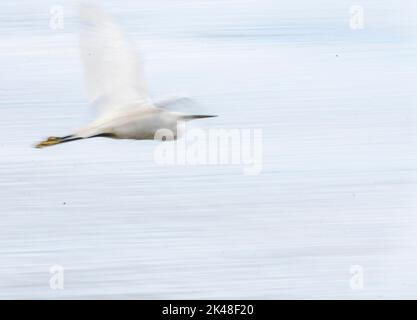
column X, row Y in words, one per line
column 136, row 124
column 116, row 87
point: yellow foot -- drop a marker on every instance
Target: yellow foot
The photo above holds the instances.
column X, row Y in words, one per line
column 49, row 142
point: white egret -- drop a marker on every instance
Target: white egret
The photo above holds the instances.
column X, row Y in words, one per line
column 116, row 86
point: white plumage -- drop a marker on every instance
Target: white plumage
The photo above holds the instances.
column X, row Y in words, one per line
column 116, row 87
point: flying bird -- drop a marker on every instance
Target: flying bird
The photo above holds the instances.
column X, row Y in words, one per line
column 115, row 81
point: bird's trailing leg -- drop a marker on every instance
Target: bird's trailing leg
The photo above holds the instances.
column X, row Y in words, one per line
column 56, row 140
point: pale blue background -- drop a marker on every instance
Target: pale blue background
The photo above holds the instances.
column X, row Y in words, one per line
column 339, row 184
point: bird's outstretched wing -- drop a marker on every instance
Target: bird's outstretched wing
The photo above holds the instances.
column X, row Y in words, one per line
column 178, row 103
column 113, row 68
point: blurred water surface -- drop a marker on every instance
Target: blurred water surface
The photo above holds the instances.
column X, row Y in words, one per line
column 339, row 180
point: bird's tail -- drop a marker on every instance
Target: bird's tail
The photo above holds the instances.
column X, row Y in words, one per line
column 51, row 141
column 196, row 116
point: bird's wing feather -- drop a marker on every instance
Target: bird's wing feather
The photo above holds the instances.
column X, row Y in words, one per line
column 113, row 69
column 177, row 103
